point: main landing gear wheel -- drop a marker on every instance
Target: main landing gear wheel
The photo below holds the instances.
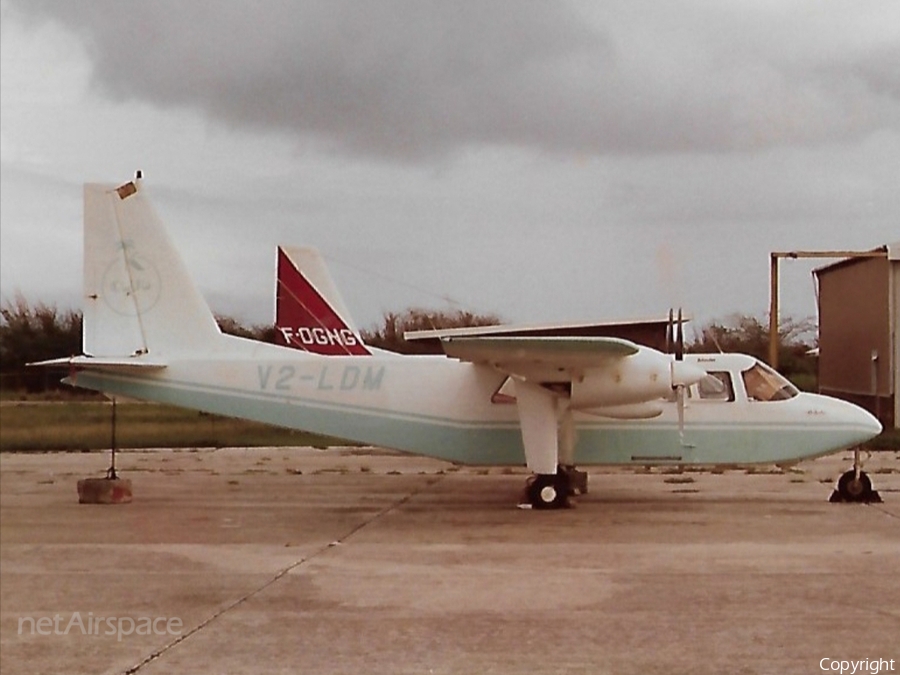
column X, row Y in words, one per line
column 549, row 491
column 578, row 480
column 853, row 488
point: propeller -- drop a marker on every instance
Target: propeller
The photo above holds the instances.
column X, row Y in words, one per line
column 679, row 388
column 678, row 376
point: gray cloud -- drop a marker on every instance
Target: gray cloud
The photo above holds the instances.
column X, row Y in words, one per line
column 407, row 79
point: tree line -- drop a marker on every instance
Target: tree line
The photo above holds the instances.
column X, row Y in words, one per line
column 36, row 332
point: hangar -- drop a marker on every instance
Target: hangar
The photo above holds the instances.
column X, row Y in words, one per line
column 859, row 332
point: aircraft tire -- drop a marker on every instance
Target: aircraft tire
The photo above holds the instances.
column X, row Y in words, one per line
column 549, row 491
column 853, row 490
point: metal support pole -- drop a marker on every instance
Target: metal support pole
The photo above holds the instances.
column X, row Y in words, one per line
column 773, row 310
column 877, row 407
column 111, row 472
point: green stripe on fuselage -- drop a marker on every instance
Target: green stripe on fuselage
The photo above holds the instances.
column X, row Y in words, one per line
column 485, row 442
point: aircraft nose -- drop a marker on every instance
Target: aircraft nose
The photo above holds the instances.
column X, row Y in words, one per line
column 861, row 421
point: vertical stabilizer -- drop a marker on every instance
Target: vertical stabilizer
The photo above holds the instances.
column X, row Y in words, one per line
column 139, row 298
column 309, row 311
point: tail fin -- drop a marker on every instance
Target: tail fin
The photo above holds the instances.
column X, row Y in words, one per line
column 309, row 311
column 139, row 296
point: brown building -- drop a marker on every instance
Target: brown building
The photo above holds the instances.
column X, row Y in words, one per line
column 859, row 332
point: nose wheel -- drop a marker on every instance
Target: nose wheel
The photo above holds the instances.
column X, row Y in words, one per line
column 855, row 485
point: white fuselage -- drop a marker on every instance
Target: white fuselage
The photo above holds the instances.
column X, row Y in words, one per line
column 440, row 407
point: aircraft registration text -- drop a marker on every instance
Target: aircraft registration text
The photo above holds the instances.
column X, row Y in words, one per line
column 288, row 378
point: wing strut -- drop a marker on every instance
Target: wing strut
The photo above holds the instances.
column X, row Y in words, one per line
column 538, row 420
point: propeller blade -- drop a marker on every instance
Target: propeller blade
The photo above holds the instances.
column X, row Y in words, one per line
column 679, row 338
column 669, row 331
column 679, row 397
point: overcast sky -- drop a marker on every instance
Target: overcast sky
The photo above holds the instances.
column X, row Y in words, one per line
column 546, row 161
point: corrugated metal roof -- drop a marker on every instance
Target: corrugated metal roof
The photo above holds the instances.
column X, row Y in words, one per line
column 892, row 251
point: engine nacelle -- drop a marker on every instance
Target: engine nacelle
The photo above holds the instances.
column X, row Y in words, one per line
column 645, row 376
column 633, row 411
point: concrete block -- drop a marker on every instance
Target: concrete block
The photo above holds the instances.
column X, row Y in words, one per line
column 104, row 491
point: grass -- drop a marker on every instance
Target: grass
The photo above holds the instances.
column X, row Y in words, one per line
column 86, row 425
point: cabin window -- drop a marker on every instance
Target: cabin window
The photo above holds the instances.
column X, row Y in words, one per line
column 716, row 386
column 764, row 384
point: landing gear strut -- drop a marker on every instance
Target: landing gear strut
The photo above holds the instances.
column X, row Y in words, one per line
column 548, row 436
column 855, row 485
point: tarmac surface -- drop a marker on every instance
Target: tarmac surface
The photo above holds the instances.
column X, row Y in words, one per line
column 362, row 561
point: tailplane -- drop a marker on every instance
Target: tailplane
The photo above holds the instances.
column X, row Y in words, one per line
column 309, row 311
column 139, row 298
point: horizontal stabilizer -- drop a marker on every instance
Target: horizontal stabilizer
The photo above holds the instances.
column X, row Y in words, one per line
column 105, row 363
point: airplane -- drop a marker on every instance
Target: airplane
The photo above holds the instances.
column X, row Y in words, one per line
column 553, row 402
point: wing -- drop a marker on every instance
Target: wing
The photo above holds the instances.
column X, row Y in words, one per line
column 540, row 358
column 646, row 332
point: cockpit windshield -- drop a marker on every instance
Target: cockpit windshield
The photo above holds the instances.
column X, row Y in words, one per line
column 716, row 386
column 764, row 384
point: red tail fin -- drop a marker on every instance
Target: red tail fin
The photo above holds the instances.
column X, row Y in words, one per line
column 305, row 316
